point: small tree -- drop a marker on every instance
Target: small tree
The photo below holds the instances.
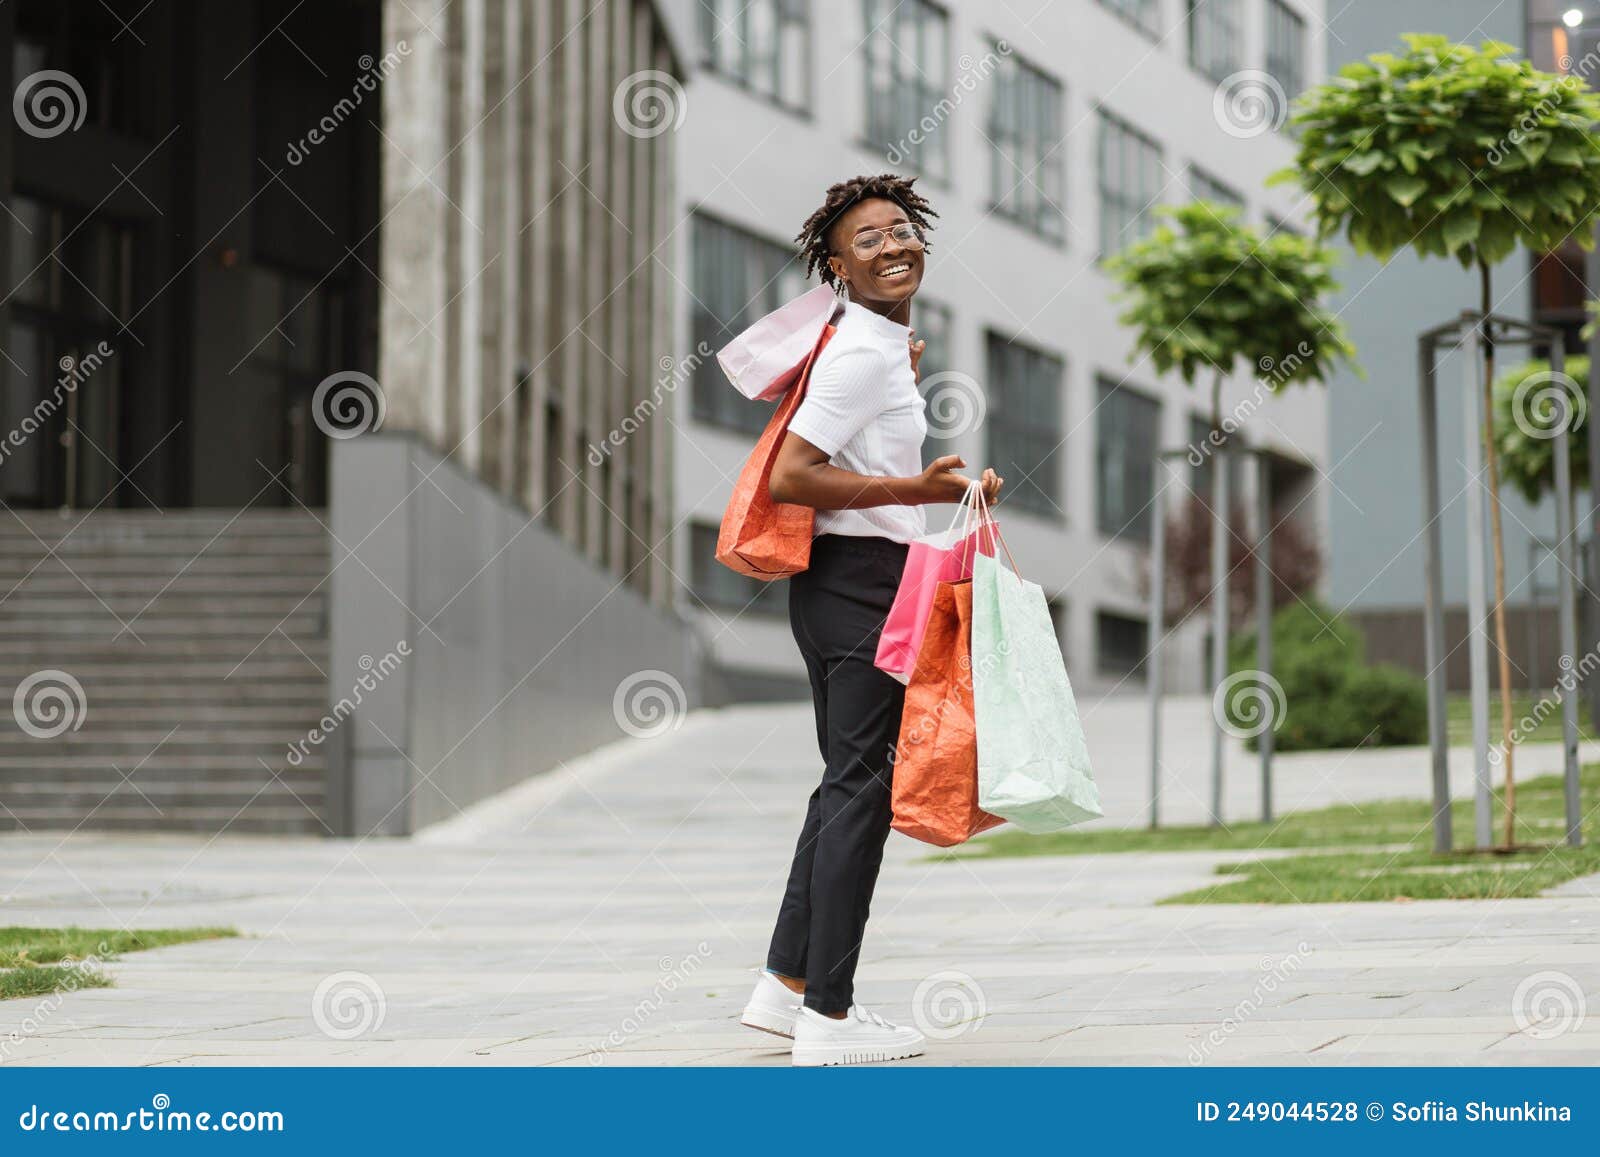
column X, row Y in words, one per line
column 1293, row 558
column 1460, row 152
column 1524, row 428
column 1206, row 293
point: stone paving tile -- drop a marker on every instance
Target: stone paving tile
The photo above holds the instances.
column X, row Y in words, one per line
column 638, row 903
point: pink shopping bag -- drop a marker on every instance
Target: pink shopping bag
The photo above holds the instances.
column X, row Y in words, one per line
column 766, row 359
column 933, row 559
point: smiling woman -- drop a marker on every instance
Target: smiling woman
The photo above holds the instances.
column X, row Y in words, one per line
column 853, row 452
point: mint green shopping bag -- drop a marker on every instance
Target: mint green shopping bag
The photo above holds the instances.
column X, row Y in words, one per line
column 1033, row 763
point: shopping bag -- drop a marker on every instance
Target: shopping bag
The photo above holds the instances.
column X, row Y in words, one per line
column 1033, row 763
column 764, row 360
column 935, row 792
column 933, row 559
column 759, row 537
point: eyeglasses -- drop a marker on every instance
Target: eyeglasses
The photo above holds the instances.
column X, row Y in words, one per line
column 870, row 242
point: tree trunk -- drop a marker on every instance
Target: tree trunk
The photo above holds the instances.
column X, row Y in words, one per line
column 1219, row 590
column 1491, row 464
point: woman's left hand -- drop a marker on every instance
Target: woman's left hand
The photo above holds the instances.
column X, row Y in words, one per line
column 916, row 355
column 992, row 483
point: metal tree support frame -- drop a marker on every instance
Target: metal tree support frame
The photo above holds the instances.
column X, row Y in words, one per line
column 1219, row 594
column 1468, row 333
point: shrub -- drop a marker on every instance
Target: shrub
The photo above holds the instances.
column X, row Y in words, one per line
column 1331, row 698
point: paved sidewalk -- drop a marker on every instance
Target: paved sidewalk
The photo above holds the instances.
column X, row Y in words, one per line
column 611, row 915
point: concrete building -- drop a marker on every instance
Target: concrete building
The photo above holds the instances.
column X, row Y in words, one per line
column 1044, row 133
column 234, row 236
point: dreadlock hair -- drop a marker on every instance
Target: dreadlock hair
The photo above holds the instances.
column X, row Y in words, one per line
column 813, row 235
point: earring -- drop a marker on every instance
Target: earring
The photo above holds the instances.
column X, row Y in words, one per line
column 841, row 287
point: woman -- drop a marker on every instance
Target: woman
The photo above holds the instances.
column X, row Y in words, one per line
column 854, row 453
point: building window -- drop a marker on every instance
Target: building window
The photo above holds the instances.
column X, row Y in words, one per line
column 1145, row 15
column 1127, row 437
column 1024, row 423
column 1204, row 187
column 1200, row 476
column 1120, row 645
column 764, row 45
column 1215, row 41
column 737, row 278
column 907, row 46
column 1276, row 224
column 1131, row 182
column 718, row 588
column 1286, row 47
column 932, row 325
column 1025, row 167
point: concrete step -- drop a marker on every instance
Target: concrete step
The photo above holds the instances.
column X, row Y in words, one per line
column 99, row 625
column 97, row 738
column 179, row 670
column 59, row 584
column 15, row 567
column 243, row 715
column 172, row 763
column 27, row 603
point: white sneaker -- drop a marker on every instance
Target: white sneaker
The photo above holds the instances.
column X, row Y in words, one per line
column 860, row 1038
column 772, row 1006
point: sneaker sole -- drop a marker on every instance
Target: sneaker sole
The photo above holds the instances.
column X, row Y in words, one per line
column 775, row 1023
column 834, row 1055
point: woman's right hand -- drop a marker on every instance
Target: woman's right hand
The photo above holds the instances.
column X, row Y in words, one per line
column 941, row 483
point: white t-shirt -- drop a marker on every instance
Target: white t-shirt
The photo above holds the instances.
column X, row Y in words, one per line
column 862, row 408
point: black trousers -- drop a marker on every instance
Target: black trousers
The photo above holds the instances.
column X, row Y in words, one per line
column 836, row 610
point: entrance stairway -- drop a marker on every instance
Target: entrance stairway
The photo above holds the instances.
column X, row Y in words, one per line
column 199, row 640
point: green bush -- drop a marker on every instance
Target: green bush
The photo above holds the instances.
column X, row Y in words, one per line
column 1331, row 698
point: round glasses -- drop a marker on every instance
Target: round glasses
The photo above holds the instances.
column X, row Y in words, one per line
column 870, row 242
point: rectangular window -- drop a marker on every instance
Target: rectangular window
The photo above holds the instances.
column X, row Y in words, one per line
column 1145, row 15
column 908, row 86
column 717, row 587
column 1204, row 187
column 737, row 278
column 1200, row 476
column 1132, row 181
column 1216, row 46
column 1120, row 645
column 764, row 45
column 1286, row 47
column 1025, row 167
column 1127, row 436
column 1024, row 424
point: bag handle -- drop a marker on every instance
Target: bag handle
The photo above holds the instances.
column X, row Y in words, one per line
column 965, row 509
column 986, row 518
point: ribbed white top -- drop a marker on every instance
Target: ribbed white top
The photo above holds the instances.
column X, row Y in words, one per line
column 862, row 409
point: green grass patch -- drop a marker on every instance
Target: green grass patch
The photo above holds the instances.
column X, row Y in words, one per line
column 1458, row 710
column 1385, row 851
column 35, row 961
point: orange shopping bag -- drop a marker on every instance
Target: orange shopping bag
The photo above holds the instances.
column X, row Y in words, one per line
column 935, row 792
column 759, row 537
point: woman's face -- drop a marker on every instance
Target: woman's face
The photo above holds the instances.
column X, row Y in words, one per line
column 890, row 276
